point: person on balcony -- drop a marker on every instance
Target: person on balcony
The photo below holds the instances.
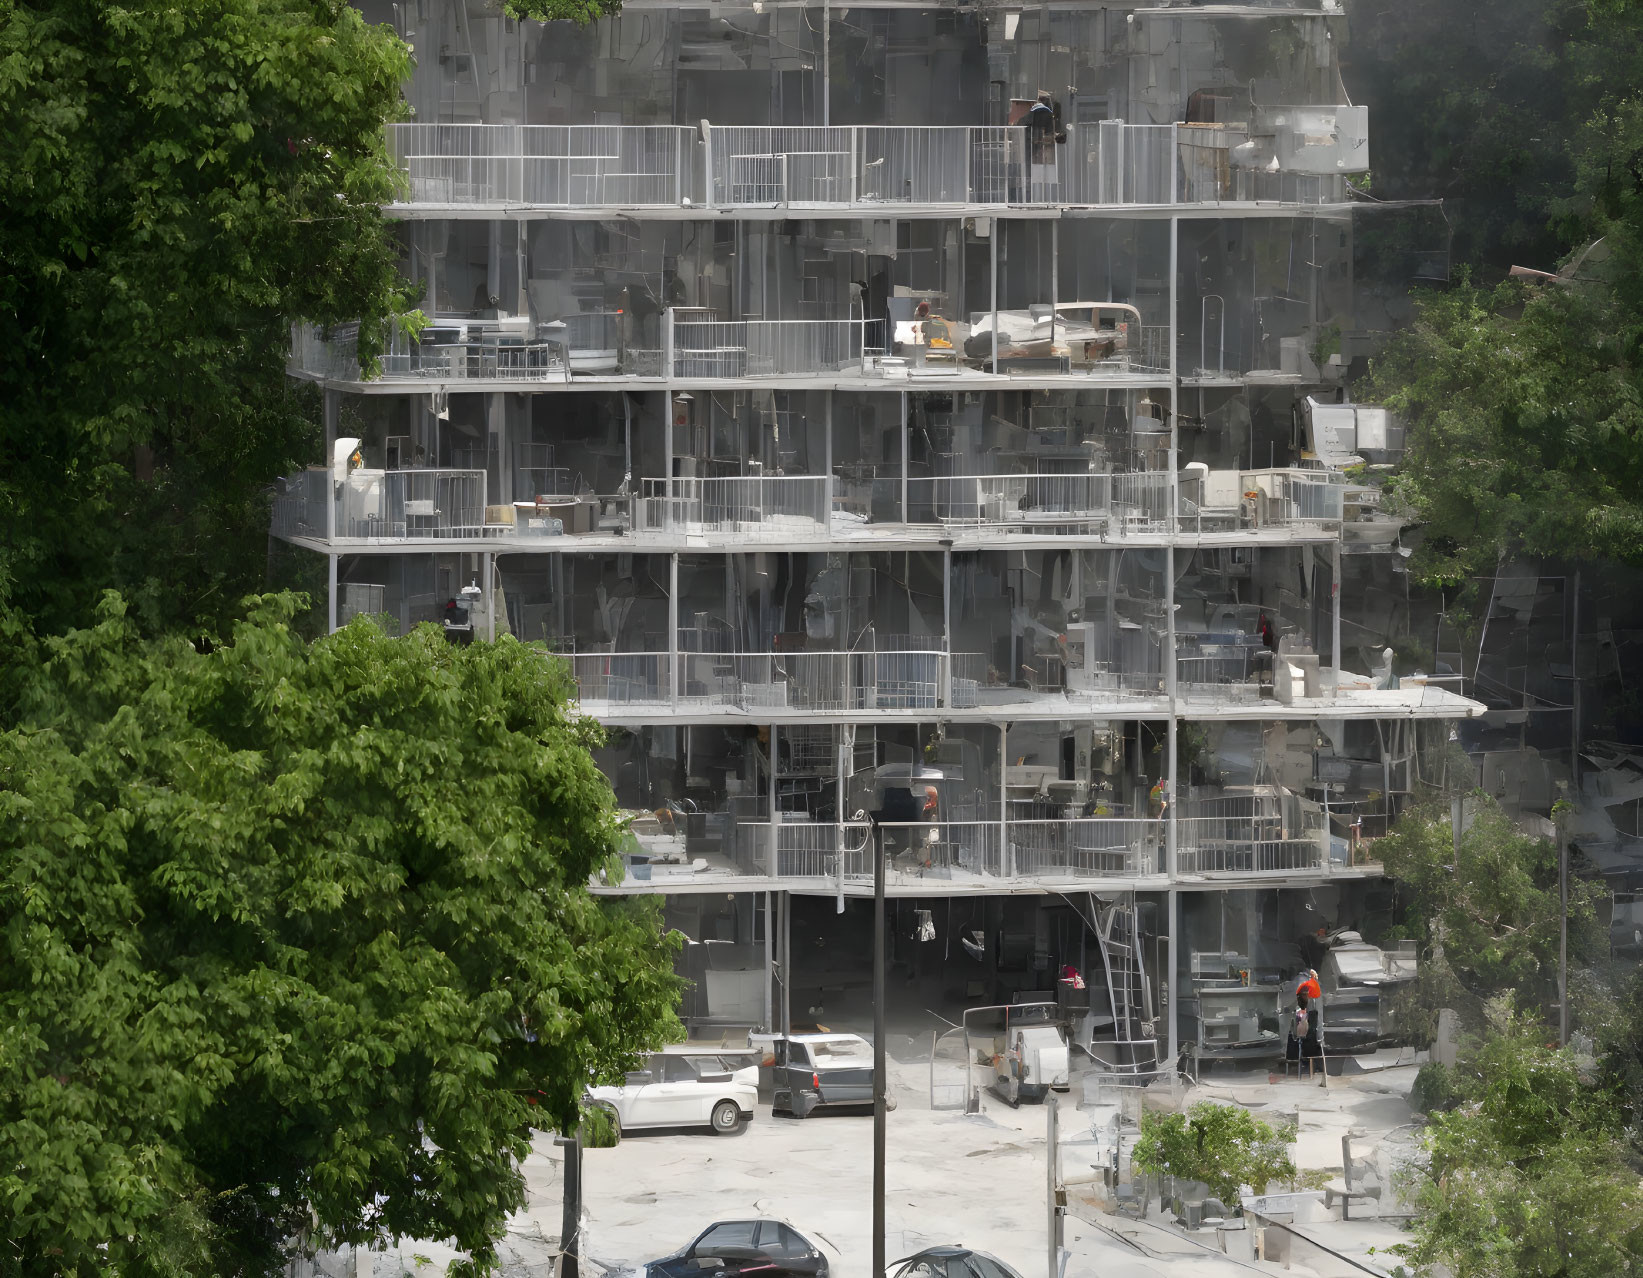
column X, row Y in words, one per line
column 1044, row 128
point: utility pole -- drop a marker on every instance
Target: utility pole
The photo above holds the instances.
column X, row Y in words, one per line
column 570, row 1222
column 1562, row 927
column 878, row 1050
column 1052, row 1142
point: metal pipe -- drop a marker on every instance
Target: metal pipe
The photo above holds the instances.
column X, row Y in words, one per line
column 1335, row 618
column 1563, row 931
column 878, row 1051
column 331, row 594
column 1172, row 1026
column 992, row 237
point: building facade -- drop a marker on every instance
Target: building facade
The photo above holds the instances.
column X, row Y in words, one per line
column 921, row 414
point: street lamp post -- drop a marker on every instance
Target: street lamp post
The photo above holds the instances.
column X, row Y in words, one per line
column 878, row 1050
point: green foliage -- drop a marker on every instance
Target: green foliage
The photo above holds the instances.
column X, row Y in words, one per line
column 1528, row 1175
column 1526, row 425
column 1489, row 918
column 1477, row 106
column 177, row 184
column 1434, row 1089
column 1224, row 1146
column 300, row 943
column 580, row 12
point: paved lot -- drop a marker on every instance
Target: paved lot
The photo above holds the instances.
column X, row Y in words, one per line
column 951, row 1178
column 977, row 1180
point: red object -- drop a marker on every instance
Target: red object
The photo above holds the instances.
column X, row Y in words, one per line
column 1310, row 988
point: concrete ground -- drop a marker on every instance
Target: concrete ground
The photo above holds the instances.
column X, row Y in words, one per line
column 978, row 1180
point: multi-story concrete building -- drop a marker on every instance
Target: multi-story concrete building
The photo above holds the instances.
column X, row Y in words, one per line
column 872, row 444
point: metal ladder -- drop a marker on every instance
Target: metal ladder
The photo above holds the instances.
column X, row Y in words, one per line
column 1128, row 994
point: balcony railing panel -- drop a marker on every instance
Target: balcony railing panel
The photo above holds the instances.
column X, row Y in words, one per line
column 1290, row 154
column 447, row 352
column 1132, row 501
column 1082, row 847
column 621, row 678
column 771, row 348
column 384, row 505
column 556, row 166
column 746, row 506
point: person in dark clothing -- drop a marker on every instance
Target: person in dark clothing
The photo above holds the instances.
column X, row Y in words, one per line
column 1303, row 1045
column 1313, row 947
column 1043, row 129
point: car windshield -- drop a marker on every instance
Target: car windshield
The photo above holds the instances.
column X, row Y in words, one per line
column 840, row 1051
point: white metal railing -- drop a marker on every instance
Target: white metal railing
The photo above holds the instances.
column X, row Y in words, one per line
column 446, row 352
column 398, row 505
column 621, row 678
column 746, row 505
column 299, row 506
column 554, row 166
column 1079, row 847
column 1136, row 502
column 1244, row 834
column 384, row 505
column 1105, row 163
column 702, row 348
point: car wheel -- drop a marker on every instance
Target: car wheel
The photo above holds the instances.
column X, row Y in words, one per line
column 727, row 1119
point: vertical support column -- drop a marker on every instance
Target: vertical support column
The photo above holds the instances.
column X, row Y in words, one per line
column 1004, row 867
column 993, row 231
column 845, row 753
column 674, row 688
column 787, row 962
column 827, row 71
column 1055, row 270
column 1335, row 612
column 667, row 369
column 1173, row 524
column 770, row 852
column 1171, row 965
column 769, row 966
column 330, row 593
column 1052, row 1150
column 827, row 458
column 947, row 624
column 332, row 412
column 487, row 566
column 904, row 457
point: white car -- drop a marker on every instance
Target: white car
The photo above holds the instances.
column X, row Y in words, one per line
column 684, row 1089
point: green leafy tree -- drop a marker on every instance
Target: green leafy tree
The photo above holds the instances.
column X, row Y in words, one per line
column 1488, row 920
column 1224, row 1146
column 177, row 185
column 1478, row 105
column 580, row 12
column 299, row 943
column 1528, row 1174
column 1526, row 421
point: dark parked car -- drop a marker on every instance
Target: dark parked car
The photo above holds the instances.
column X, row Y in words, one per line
column 768, row 1248
column 952, row 1262
column 812, row 1071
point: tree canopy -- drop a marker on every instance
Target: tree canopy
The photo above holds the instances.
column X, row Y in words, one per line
column 177, row 184
column 298, row 934
column 1497, row 110
column 1224, row 1146
column 1527, row 1172
column 1488, row 918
